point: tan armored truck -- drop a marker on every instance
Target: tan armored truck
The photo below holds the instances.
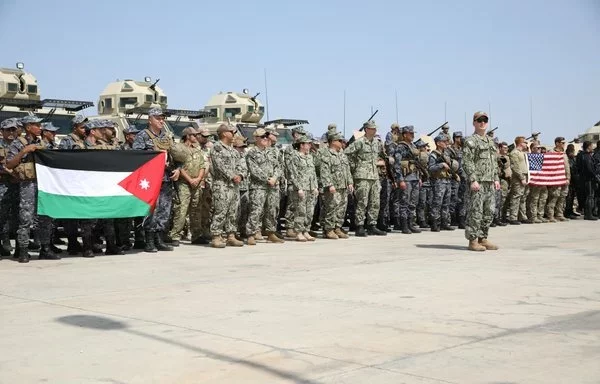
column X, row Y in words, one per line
column 20, row 96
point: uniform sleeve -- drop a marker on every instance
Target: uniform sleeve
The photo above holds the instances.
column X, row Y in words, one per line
column 65, row 143
column 567, row 167
column 325, row 174
column 433, row 165
column 516, row 164
column 397, row 164
column 139, row 143
column 294, row 178
column 257, row 173
column 220, row 164
column 469, row 161
column 13, row 149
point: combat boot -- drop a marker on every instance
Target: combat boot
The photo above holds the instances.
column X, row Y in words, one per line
column 150, row 247
column 475, row 246
column 233, row 242
column 47, row 254
column 340, row 234
column 360, row 231
column 435, row 227
column 87, row 246
column 73, row 246
column 175, row 243
column 372, row 230
column 300, row 238
column 488, row 245
column 200, row 241
column 139, row 240
column 331, row 235
column 273, row 238
column 447, row 227
column 160, row 244
column 250, row 240
column 217, row 242
column 34, row 245
column 405, row 228
column 111, row 247
column 4, row 251
column 493, row 224
column 55, row 249
column 258, row 236
column 308, row 236
column 413, row 228
column 23, row 255
column 423, row 225
column 462, row 221
column 290, row 233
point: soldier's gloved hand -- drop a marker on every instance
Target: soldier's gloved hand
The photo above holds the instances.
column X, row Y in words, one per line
column 475, row 186
column 497, row 185
column 402, row 185
column 332, row 189
column 301, row 194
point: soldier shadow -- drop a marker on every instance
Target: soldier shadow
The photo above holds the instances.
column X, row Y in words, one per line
column 442, row 246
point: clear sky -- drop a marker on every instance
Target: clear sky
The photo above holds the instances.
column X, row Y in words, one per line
column 469, row 55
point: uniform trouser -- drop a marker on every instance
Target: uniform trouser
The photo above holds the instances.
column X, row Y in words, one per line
column 480, row 211
column 424, row 204
column 243, row 212
column 556, row 201
column 517, row 192
column 523, row 204
column 9, row 196
column 226, row 199
column 559, row 211
column 205, row 210
column 570, row 200
column 501, row 196
column 264, row 204
column 304, row 210
column 440, row 203
column 505, row 206
column 123, row 230
column 533, row 202
column 454, row 185
column 409, row 198
column 158, row 220
column 290, row 209
column 461, row 211
column 590, row 198
column 334, row 208
column 385, row 196
column 27, row 208
column 580, row 193
column 188, row 204
column 367, row 201
column 351, row 209
column 543, row 202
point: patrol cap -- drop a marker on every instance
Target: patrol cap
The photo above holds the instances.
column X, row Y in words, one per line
column 105, row 123
column 79, row 119
column 408, row 129
column 30, row 119
column 420, row 143
column 188, row 131
column 332, row 127
column 335, row 136
column 271, row 130
column 156, row 111
column 395, row 126
column 479, row 114
column 370, row 124
column 446, row 126
column 131, row 129
column 203, row 132
column 299, row 129
column 457, row 134
column 91, row 124
column 440, row 137
column 559, row 139
column 48, row 126
column 303, row 139
column 260, row 132
column 239, row 141
column 12, row 122
column 225, row 128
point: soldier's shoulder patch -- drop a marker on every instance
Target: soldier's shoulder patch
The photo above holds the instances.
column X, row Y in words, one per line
column 470, row 142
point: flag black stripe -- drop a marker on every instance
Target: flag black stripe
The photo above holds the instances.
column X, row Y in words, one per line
column 94, row 159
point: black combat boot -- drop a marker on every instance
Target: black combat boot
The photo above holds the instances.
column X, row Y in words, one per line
column 462, row 221
column 447, row 227
column 74, row 247
column 435, row 227
column 150, row 247
column 360, row 231
column 23, row 255
column 47, row 254
column 87, row 246
column 201, row 241
column 373, row 230
column 413, row 228
column 34, row 245
column 160, row 244
column 398, row 225
column 55, row 249
column 423, row 225
column 4, row 251
column 111, row 247
column 405, row 227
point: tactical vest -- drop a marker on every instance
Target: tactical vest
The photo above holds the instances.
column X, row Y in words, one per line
column 160, row 143
column 443, row 173
column 193, row 160
column 77, row 142
column 25, row 171
column 424, row 158
column 408, row 166
column 3, row 153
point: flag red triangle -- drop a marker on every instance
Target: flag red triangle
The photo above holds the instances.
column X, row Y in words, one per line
column 144, row 183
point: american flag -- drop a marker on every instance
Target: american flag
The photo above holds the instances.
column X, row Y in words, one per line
column 547, row 169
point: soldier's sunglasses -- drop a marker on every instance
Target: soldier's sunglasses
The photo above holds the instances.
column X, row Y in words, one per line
column 482, row 120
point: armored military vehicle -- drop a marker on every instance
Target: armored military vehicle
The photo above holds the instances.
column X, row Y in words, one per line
column 20, row 96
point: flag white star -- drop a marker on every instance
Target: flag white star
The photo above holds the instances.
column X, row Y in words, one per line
column 144, row 184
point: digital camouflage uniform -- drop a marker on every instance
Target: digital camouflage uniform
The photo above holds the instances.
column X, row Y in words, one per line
column 335, row 172
column 276, row 157
column 504, row 174
column 189, row 196
column 302, row 176
column 480, row 164
column 244, row 208
column 264, row 198
column 288, row 154
column 441, row 190
column 459, row 187
column 405, row 170
column 206, row 196
column 425, row 194
column 363, row 155
column 225, row 165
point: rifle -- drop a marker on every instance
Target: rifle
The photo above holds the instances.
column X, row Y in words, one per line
column 492, row 131
column 532, row 135
column 437, row 129
column 153, row 86
column 452, row 171
column 413, row 159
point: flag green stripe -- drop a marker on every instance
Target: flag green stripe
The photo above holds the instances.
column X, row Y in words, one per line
column 96, row 207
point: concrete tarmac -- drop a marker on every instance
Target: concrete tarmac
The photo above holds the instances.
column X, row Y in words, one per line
column 398, row 309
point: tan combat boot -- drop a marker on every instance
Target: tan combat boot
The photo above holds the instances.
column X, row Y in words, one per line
column 233, row 242
column 308, row 237
column 300, row 238
column 290, row 233
column 258, row 236
column 251, row 240
column 331, row 235
column 488, row 245
column 272, row 238
column 340, row 233
column 475, row 246
column 217, row 242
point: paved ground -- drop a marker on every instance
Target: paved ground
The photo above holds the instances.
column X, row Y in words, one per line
column 401, row 309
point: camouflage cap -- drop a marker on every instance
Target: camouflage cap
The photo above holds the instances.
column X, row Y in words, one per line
column 31, row 119
column 239, row 141
column 370, row 124
column 395, row 126
column 156, row 111
column 457, row 134
column 479, row 114
column 440, row 137
column 408, row 129
column 303, row 139
column 420, row 143
column 272, row 130
column 445, row 127
column 260, row 132
column 79, row 119
column 48, row 126
column 131, row 129
column 188, row 131
column 332, row 127
column 332, row 136
column 225, row 128
column 13, row 122
column 91, row 124
column 204, row 132
column 299, row 129
column 105, row 123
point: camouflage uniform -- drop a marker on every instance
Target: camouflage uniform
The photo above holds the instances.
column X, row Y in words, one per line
column 206, row 197
column 441, row 190
column 459, row 187
column 276, row 157
column 363, row 155
column 71, row 141
column 518, row 164
column 225, row 165
column 480, row 164
column 504, row 174
column 425, row 194
column 335, row 172
column 189, row 196
column 264, row 198
column 9, row 195
column 288, row 154
column 555, row 207
column 245, row 200
column 406, row 171
column 302, row 176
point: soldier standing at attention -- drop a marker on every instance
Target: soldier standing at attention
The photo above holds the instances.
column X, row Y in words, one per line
column 155, row 138
column 20, row 158
column 288, row 155
column 480, row 165
column 504, row 174
column 336, row 180
column 205, row 189
column 534, row 214
column 459, row 185
column 190, row 155
column 439, row 171
column 276, row 157
column 264, row 188
column 240, row 144
column 425, row 191
column 226, row 178
column 518, row 181
column 9, row 184
column 302, row 188
column 555, row 208
column 408, row 179
column 364, row 153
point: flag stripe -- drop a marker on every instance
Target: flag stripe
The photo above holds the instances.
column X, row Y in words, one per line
column 547, row 169
column 95, row 159
column 83, row 207
column 80, row 183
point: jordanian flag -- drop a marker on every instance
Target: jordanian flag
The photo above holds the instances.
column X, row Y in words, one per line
column 98, row 184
